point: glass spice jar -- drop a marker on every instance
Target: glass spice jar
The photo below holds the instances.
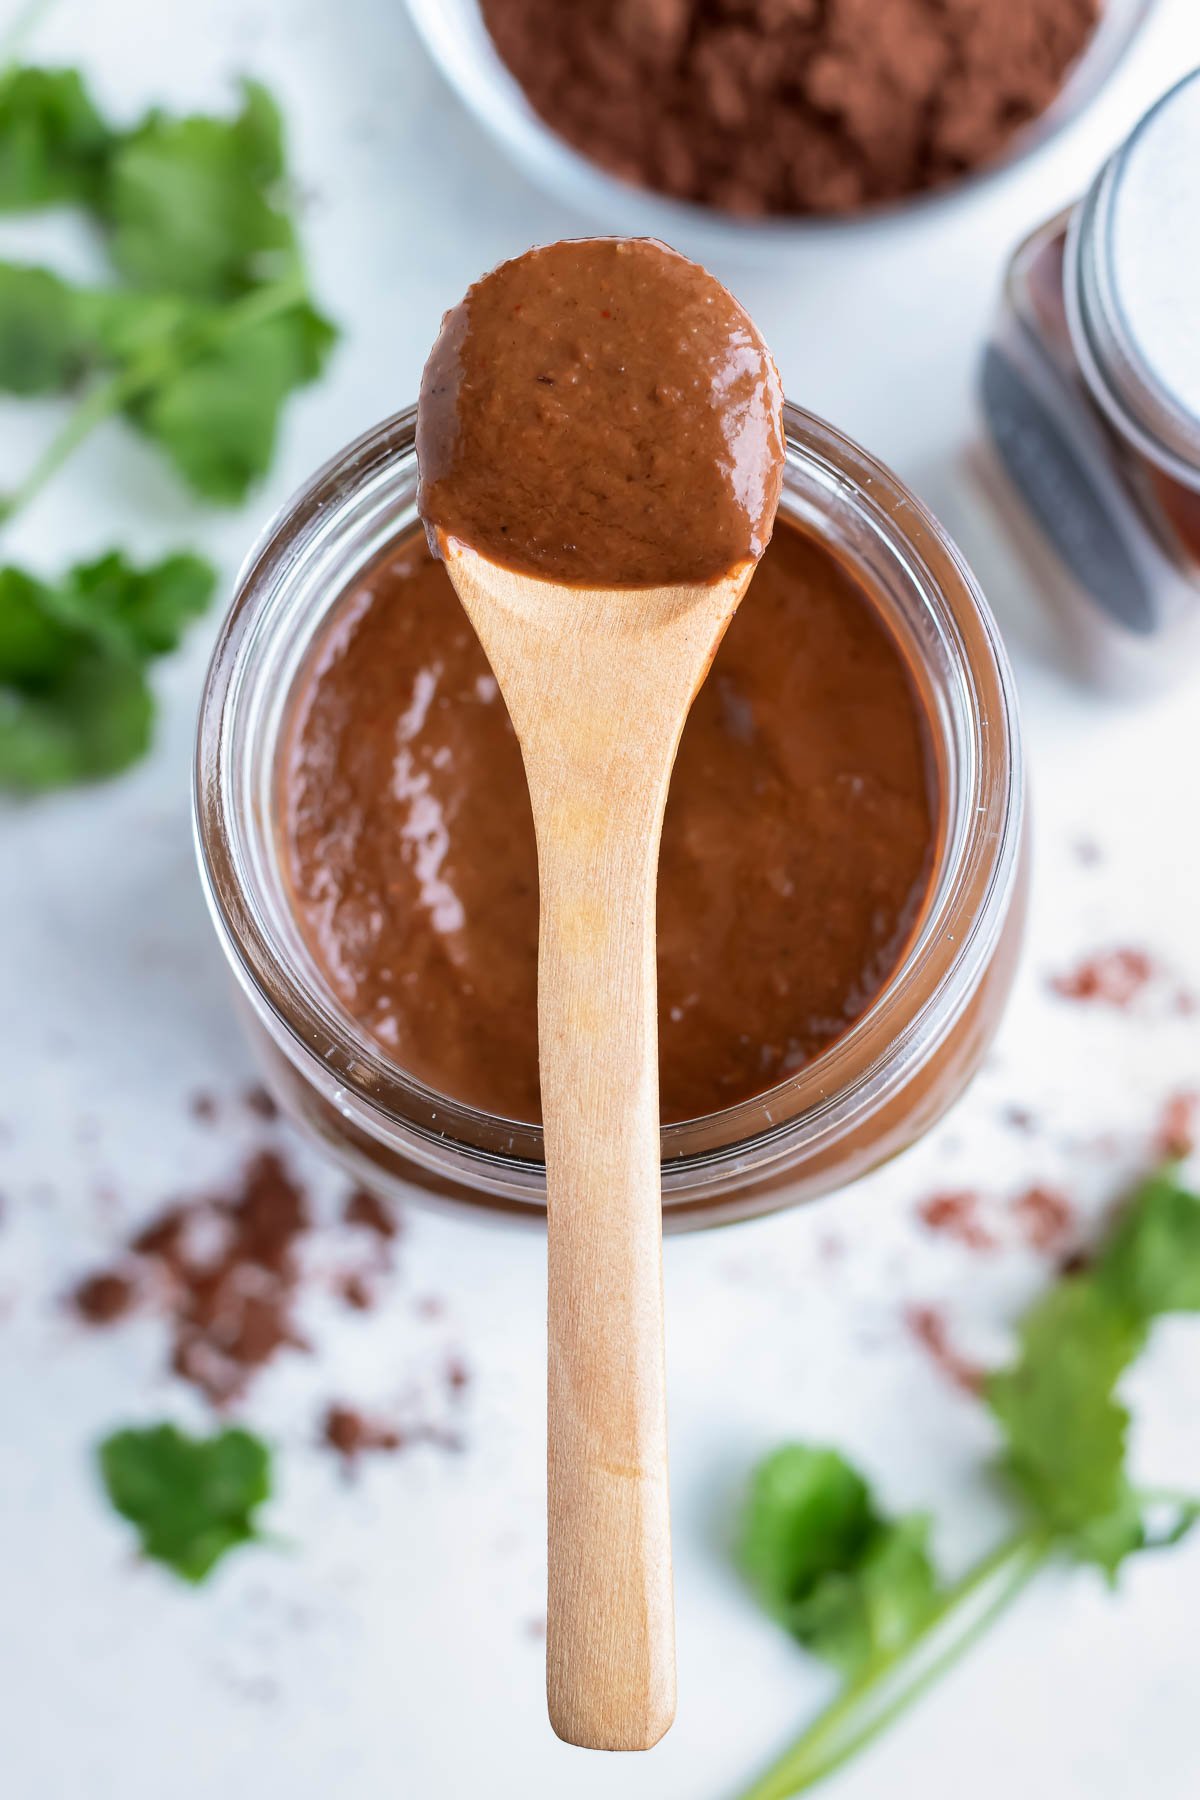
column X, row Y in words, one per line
column 869, row 1094
column 1090, row 390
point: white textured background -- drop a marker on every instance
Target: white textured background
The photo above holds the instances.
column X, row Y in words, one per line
column 392, row 1649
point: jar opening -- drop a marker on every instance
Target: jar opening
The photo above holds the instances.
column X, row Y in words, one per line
column 338, row 526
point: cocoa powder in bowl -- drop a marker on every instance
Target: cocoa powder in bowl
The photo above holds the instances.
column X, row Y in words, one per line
column 790, row 106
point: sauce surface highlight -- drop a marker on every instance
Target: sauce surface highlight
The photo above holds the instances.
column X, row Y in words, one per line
column 602, row 412
column 796, row 848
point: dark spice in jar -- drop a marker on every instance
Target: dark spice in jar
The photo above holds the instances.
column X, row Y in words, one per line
column 790, row 106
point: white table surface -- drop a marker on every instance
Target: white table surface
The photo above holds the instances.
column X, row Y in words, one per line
column 393, row 1649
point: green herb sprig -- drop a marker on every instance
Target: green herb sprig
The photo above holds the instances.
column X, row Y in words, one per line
column 860, row 1590
column 204, row 330
column 74, row 698
column 208, row 325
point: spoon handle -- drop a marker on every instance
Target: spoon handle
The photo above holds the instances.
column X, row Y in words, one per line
column 610, row 1637
column 598, row 684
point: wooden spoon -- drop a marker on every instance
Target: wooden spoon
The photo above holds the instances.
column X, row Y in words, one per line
column 598, row 683
column 601, row 446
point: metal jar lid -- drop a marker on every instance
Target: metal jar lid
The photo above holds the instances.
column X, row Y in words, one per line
column 1132, row 284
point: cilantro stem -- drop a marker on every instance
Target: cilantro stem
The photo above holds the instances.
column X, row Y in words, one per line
column 1168, row 1496
column 144, row 373
column 885, row 1689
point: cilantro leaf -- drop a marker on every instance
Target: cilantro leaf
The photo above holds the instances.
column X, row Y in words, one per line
column 1151, row 1264
column 808, row 1511
column 217, row 414
column 54, row 146
column 848, row 1583
column 191, row 1499
column 74, row 701
column 34, row 642
column 860, row 1591
column 95, row 720
column 140, row 612
column 193, row 203
column 212, row 328
column 46, row 336
column 1064, row 1427
column 852, row 1616
column 1064, row 1430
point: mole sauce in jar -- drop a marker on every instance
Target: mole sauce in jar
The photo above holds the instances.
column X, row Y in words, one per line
column 796, row 851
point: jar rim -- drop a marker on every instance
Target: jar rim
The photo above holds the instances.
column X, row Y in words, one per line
column 1125, row 384
column 907, row 1017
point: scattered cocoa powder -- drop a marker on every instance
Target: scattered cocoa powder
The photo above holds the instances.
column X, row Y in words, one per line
column 1045, row 1216
column 103, row 1298
column 367, row 1209
column 790, row 106
column 1121, row 977
column 956, row 1214
column 929, row 1328
column 351, row 1433
column 1114, row 977
column 458, row 1376
column 203, row 1108
column 261, row 1103
column 1178, row 1125
column 356, row 1290
column 226, row 1270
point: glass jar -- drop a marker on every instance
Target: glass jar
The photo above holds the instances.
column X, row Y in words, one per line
column 1090, row 388
column 879, row 1086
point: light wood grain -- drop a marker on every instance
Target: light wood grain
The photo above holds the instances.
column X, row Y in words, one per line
column 598, row 684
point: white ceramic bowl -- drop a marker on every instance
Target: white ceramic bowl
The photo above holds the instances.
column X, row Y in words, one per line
column 455, row 36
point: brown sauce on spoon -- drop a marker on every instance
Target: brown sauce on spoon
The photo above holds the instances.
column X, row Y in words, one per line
column 602, row 412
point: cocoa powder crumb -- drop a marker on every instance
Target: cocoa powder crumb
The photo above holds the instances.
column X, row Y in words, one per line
column 367, row 1209
column 929, row 1328
column 203, row 1108
column 1122, row 977
column 103, row 1298
column 261, row 1103
column 1113, row 977
column 790, row 106
column 1045, row 1216
column 356, row 1290
column 956, row 1214
column 1178, row 1125
column 227, row 1271
column 350, row 1433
